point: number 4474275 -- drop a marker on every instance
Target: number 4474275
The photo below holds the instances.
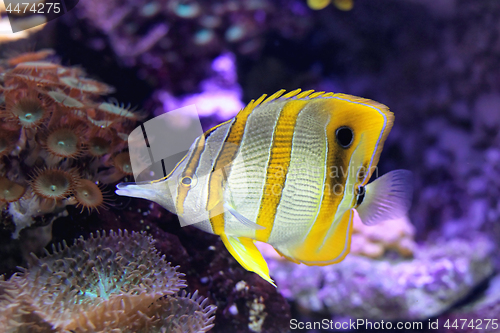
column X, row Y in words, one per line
column 34, row 8
column 472, row 323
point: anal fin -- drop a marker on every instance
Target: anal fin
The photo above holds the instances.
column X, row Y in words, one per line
column 243, row 249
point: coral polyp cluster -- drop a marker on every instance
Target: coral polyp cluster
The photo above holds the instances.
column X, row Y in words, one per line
column 10, row 191
column 64, row 142
column 116, row 283
column 25, row 108
column 53, row 183
column 89, row 195
column 60, row 142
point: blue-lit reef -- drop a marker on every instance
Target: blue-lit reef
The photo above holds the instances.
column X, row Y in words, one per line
column 434, row 63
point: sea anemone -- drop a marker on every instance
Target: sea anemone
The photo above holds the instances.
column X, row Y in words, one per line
column 36, row 67
column 30, row 56
column 30, row 80
column 123, row 167
column 122, row 162
column 98, row 146
column 64, row 142
column 115, row 110
column 53, row 183
column 89, row 196
column 82, row 85
column 64, row 101
column 50, row 121
column 28, row 109
column 10, row 191
column 116, row 283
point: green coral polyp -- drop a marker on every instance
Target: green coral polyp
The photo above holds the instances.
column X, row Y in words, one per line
column 63, row 142
column 117, row 283
column 50, row 119
column 53, row 183
column 98, row 146
column 29, row 111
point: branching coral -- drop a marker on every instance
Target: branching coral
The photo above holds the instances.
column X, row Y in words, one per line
column 115, row 283
column 53, row 120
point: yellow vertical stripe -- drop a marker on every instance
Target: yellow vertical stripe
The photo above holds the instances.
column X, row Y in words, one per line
column 222, row 167
column 192, row 164
column 279, row 161
column 333, row 189
column 191, row 167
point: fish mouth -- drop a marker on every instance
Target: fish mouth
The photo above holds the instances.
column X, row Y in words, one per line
column 122, row 186
column 125, row 184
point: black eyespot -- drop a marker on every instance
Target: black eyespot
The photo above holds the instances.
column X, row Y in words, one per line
column 186, row 181
column 361, row 195
column 344, row 136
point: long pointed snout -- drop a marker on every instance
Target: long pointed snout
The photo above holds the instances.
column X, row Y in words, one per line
column 144, row 191
column 154, row 191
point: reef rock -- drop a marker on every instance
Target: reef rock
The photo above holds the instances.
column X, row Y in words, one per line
column 439, row 275
column 478, row 315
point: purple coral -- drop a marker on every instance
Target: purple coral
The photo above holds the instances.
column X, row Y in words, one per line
column 387, row 289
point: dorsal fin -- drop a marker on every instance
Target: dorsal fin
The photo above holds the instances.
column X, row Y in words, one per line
column 297, row 93
column 274, row 96
column 316, row 94
column 304, row 94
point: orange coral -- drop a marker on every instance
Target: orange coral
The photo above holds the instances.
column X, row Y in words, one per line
column 64, row 142
column 89, row 195
column 25, row 107
column 122, row 163
column 30, row 56
column 98, row 146
column 53, row 183
column 52, row 119
column 10, row 191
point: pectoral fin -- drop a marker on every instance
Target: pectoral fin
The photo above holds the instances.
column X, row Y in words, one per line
column 243, row 220
column 386, row 198
column 246, row 253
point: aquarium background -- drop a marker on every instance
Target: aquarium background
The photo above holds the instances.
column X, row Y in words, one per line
column 436, row 64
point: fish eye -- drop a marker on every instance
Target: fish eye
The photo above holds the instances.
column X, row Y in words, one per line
column 188, row 181
column 344, row 136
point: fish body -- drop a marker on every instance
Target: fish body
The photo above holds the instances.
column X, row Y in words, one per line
column 291, row 171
